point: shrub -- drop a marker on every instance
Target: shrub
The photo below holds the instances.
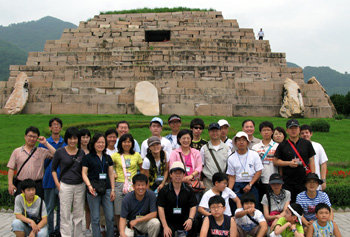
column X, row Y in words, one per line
column 339, row 117
column 339, row 194
column 320, row 125
column 6, row 200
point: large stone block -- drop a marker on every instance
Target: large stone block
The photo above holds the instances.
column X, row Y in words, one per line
column 181, row 109
column 74, row 108
column 37, row 108
column 111, row 109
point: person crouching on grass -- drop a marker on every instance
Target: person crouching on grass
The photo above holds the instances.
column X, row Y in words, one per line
column 218, row 224
column 323, row 226
column 30, row 211
column 250, row 221
column 290, row 224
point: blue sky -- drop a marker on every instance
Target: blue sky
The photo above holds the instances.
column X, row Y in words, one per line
column 311, row 32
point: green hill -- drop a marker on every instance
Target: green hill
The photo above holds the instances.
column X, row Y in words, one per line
column 10, row 55
column 333, row 81
column 16, row 40
column 32, row 35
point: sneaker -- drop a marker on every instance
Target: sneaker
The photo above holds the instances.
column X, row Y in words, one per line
column 88, row 232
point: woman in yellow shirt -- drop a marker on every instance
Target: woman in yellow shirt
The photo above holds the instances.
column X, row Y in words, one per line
column 126, row 162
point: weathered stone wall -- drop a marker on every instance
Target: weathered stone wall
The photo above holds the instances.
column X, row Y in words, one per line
column 209, row 67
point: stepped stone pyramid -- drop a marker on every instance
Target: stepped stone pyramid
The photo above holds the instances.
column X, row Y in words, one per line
column 200, row 63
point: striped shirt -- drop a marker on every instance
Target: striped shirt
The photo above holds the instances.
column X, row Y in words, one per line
column 309, row 204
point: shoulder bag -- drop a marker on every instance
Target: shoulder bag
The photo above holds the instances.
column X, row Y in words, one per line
column 306, row 167
column 196, row 184
column 15, row 181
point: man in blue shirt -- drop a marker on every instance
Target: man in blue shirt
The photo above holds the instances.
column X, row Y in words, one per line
column 50, row 192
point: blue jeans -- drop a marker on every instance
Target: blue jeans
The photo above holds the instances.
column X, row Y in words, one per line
column 240, row 185
column 18, row 225
column 51, row 201
column 94, row 205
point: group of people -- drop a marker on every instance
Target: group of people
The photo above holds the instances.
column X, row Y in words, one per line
column 177, row 185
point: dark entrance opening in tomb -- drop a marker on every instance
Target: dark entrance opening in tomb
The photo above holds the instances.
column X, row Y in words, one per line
column 157, row 35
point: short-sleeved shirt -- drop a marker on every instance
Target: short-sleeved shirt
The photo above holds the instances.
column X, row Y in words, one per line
column 285, row 152
column 70, row 166
column 239, row 165
column 132, row 207
column 226, row 194
column 320, row 158
column 267, row 160
column 228, row 142
column 198, row 144
column 247, row 224
column 288, row 232
column 29, row 209
column 34, row 168
column 131, row 162
column 277, row 205
column 48, row 179
column 147, row 164
column 168, row 200
column 96, row 166
column 309, row 204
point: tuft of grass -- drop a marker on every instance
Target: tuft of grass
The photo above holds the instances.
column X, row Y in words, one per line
column 156, row 10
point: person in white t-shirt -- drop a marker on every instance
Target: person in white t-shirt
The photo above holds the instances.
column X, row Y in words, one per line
column 224, row 125
column 244, row 168
column 320, row 157
column 261, row 34
column 155, row 164
column 174, row 122
column 111, row 137
column 156, row 127
column 250, row 220
column 266, row 150
column 220, row 181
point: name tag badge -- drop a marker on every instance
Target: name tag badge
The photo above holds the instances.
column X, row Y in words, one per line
column 266, row 162
column 127, row 163
column 245, row 174
column 177, row 210
column 103, row 176
column 188, row 169
column 160, row 178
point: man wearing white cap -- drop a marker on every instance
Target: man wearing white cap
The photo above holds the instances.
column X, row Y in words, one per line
column 156, row 127
column 224, row 125
column 244, row 168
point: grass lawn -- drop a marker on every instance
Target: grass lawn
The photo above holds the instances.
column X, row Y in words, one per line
column 12, row 129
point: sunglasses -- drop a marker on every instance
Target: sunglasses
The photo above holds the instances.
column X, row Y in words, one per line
column 198, row 128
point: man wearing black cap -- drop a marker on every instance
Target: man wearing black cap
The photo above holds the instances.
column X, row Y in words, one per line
column 296, row 158
column 174, row 122
column 214, row 155
column 177, row 205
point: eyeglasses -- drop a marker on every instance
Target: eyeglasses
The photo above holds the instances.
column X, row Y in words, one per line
column 198, row 128
column 32, row 136
column 216, row 207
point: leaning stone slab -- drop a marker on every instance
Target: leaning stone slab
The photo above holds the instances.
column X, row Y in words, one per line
column 19, row 96
column 146, row 98
column 292, row 105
